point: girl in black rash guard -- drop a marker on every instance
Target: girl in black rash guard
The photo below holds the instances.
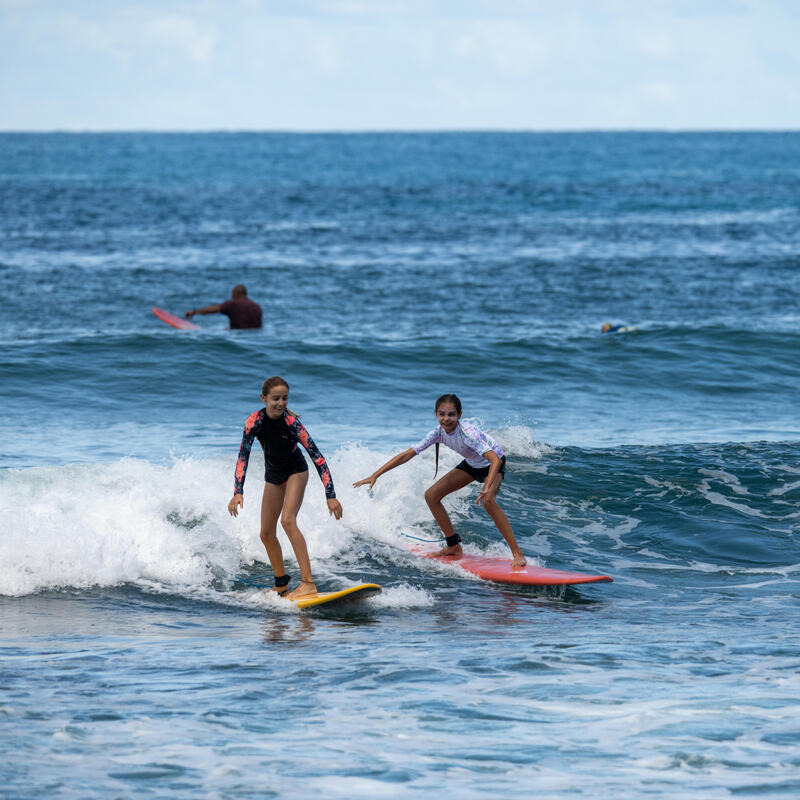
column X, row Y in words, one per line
column 286, row 475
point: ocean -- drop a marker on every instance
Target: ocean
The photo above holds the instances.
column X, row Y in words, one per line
column 393, row 268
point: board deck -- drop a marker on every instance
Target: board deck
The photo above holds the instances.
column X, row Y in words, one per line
column 500, row 570
column 175, row 321
column 360, row 592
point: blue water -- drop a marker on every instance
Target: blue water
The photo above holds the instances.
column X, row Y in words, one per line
column 392, row 268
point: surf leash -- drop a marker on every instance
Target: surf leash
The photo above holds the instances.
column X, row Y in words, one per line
column 409, row 536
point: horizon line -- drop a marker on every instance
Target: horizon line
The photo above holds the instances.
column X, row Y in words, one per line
column 388, row 131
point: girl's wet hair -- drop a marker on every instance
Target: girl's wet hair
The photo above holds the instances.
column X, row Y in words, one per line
column 270, row 384
column 445, row 398
column 449, row 398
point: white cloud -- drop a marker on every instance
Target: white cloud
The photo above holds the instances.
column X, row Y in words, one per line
column 515, row 49
column 128, row 33
column 661, row 91
column 656, row 44
column 465, row 46
column 325, row 51
column 182, row 34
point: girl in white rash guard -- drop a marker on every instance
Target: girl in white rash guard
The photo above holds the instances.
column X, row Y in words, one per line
column 483, row 461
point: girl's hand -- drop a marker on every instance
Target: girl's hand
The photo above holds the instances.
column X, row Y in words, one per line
column 371, row 481
column 236, row 502
column 334, row 508
column 484, row 495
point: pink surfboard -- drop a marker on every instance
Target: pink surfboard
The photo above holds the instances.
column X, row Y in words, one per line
column 175, row 321
column 500, row 570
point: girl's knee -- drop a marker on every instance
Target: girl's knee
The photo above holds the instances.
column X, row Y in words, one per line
column 432, row 497
column 289, row 522
column 267, row 536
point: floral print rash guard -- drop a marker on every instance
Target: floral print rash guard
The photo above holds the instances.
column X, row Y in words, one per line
column 279, row 438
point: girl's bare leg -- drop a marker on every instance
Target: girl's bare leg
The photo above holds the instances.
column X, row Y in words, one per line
column 295, row 489
column 504, row 526
column 451, row 482
column 271, row 504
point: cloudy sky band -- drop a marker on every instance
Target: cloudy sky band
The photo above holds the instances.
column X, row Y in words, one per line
column 380, row 65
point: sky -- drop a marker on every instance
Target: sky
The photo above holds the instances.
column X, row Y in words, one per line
column 364, row 65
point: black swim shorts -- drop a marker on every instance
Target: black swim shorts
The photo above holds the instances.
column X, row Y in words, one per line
column 279, row 473
column 481, row 473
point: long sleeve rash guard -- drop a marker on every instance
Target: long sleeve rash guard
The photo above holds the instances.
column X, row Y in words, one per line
column 279, row 439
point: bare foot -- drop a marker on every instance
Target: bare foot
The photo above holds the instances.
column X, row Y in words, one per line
column 518, row 560
column 455, row 550
column 302, row 589
column 278, row 590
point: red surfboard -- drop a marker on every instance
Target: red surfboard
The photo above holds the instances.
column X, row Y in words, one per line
column 500, row 570
column 176, row 322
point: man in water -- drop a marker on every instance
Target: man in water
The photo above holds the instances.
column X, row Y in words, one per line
column 609, row 328
column 240, row 309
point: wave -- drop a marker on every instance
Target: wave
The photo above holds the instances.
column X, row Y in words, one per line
column 704, row 508
column 640, row 513
column 132, row 521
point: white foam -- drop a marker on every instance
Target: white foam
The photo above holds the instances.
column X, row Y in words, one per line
column 781, row 490
column 82, row 525
column 731, row 481
column 166, row 527
column 517, row 440
column 720, row 500
column 402, row 596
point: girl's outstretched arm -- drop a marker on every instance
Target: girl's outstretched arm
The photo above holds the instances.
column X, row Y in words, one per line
column 400, row 458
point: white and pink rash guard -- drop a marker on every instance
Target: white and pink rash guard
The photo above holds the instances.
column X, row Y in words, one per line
column 466, row 439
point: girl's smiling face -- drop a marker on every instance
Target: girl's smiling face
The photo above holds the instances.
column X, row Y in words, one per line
column 276, row 400
column 448, row 417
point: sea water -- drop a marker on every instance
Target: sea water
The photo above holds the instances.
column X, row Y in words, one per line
column 392, row 268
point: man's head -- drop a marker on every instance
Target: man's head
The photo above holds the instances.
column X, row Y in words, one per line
column 240, row 290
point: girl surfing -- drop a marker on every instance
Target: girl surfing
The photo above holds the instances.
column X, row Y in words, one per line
column 483, row 461
column 286, row 475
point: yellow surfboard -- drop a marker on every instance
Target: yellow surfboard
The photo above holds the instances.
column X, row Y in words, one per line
column 359, row 592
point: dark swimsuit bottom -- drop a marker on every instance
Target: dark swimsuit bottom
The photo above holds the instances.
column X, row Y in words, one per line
column 280, row 472
column 481, row 473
